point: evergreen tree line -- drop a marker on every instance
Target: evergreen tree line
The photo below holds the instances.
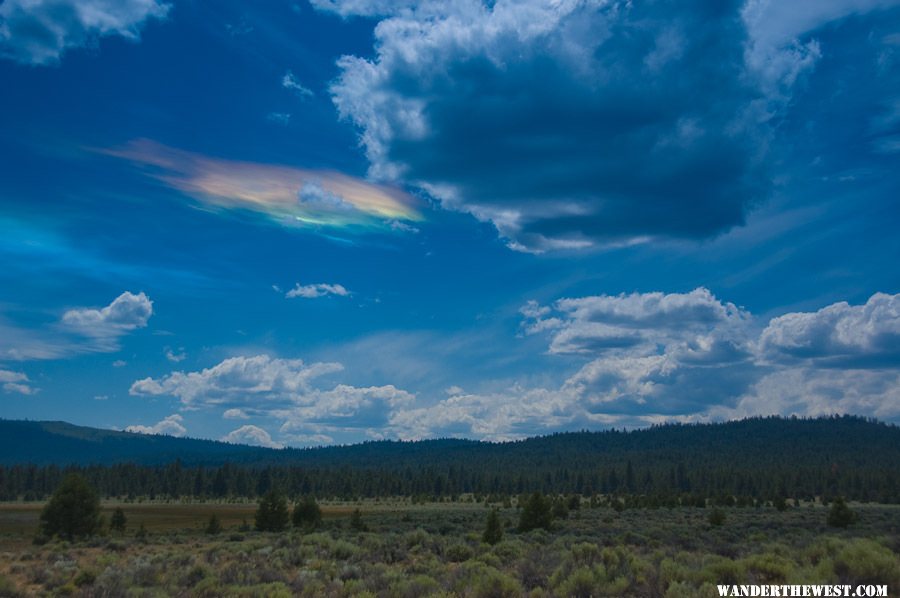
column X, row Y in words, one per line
column 726, row 484
column 760, row 459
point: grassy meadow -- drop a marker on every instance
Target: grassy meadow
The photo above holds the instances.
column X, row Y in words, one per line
column 436, row 549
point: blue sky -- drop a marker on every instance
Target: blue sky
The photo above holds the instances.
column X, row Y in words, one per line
column 299, row 223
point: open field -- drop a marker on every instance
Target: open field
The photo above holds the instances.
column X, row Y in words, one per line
column 436, row 550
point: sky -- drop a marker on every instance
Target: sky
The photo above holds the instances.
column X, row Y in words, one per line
column 297, row 223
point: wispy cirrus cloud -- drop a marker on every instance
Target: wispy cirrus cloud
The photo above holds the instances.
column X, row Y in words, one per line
column 16, row 382
column 286, row 195
column 289, row 81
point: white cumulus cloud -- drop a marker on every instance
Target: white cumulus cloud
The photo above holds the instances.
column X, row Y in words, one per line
column 839, row 334
column 314, row 291
column 127, row 312
column 254, row 381
column 235, row 414
column 169, row 426
column 252, row 435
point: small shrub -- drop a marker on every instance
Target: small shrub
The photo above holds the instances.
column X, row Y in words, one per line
column 560, row 510
column 864, row 561
column 483, row 581
column 457, row 553
column 716, row 517
column 85, row 577
column 581, row 583
column 8, row 588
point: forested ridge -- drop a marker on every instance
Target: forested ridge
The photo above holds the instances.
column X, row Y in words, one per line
column 751, row 459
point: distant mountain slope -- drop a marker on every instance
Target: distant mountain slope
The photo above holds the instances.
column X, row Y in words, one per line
column 849, row 440
column 61, row 443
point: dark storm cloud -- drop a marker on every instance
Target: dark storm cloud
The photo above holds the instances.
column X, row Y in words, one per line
column 568, row 125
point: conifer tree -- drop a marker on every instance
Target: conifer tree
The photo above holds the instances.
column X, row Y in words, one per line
column 840, row 515
column 536, row 513
column 493, row 530
column 73, row 511
column 118, row 520
column 307, row 513
column 272, row 514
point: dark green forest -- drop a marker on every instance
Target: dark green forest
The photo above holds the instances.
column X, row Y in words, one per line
column 739, row 462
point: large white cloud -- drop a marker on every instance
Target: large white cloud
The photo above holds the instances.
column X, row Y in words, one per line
column 41, row 31
column 810, row 391
column 696, row 322
column 838, row 335
column 283, row 389
column 257, row 381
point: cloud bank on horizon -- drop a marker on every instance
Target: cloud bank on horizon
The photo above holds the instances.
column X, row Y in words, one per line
column 652, row 357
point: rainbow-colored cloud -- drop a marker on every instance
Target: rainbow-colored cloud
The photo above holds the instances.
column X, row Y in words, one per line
column 287, row 195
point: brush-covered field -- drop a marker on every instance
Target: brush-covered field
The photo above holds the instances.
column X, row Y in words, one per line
column 409, row 550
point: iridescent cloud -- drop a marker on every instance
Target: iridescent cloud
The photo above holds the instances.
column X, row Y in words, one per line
column 290, row 196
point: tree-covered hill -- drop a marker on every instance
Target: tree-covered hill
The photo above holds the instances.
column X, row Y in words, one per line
column 753, row 457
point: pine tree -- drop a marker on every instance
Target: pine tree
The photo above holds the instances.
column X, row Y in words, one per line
column 73, row 511
column 356, row 521
column 118, row 520
column 272, row 514
column 213, row 526
column 493, row 530
column 536, row 513
column 840, row 515
column 307, row 513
